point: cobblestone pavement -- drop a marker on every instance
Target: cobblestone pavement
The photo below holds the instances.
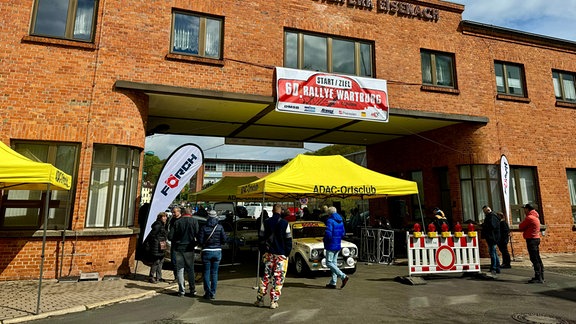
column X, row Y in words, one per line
column 18, row 299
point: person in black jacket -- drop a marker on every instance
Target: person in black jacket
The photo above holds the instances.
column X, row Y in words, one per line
column 503, row 242
column 277, row 247
column 491, row 233
column 211, row 237
column 183, row 236
column 157, row 247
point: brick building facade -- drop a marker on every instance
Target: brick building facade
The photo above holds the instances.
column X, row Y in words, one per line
column 84, row 94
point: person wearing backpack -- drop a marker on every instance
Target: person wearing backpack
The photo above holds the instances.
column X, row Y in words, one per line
column 276, row 247
column 211, row 237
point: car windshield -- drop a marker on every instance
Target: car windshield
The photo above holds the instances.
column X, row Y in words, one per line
column 303, row 232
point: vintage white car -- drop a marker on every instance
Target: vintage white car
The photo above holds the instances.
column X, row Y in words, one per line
column 308, row 252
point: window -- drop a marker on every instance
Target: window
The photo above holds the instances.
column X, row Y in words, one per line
column 260, row 168
column 523, row 189
column 480, row 185
column 243, row 167
column 571, row 174
column 209, row 167
column 113, row 185
column 327, row 54
column 438, row 69
column 69, row 19
column 509, row 79
column 197, row 35
column 564, row 88
column 23, row 207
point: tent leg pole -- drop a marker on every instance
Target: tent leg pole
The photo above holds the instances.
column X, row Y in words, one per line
column 47, row 200
column 421, row 213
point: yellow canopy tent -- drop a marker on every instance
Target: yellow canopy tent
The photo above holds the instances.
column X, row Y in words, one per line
column 308, row 176
column 223, row 190
column 17, row 172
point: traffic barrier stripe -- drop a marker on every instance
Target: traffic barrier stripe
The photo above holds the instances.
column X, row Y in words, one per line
column 428, row 255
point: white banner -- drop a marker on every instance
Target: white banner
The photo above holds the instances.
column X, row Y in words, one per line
column 505, row 176
column 331, row 95
column 176, row 173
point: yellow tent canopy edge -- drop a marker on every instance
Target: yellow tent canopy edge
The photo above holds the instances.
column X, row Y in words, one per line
column 18, row 172
column 308, row 176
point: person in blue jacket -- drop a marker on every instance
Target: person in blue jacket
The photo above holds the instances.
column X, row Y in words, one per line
column 332, row 244
column 211, row 237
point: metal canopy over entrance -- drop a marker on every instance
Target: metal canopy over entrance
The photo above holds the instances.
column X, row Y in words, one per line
column 186, row 111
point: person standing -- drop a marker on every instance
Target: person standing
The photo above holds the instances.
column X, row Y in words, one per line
column 491, row 233
column 332, row 243
column 211, row 237
column 503, row 242
column 176, row 214
column 276, row 249
column 440, row 219
column 183, row 236
column 530, row 227
column 157, row 240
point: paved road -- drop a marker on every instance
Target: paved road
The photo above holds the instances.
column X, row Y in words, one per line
column 372, row 296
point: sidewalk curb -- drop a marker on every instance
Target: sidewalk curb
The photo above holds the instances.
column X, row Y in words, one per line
column 75, row 309
column 121, row 299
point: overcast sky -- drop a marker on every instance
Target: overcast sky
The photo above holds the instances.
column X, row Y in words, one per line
column 554, row 18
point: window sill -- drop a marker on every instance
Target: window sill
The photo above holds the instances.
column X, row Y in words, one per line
column 512, row 98
column 447, row 90
column 565, row 104
column 121, row 231
column 194, row 59
column 514, row 227
column 58, row 42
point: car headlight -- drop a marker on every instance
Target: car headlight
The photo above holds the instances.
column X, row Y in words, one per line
column 350, row 262
column 323, row 262
column 314, row 254
column 345, row 251
column 353, row 252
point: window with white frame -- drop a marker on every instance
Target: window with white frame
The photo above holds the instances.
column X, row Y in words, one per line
column 68, row 19
column 480, row 186
column 22, row 207
column 196, row 34
column 438, row 69
column 564, row 86
column 510, row 79
column 113, row 186
column 571, row 174
column 322, row 53
column 523, row 189
column 210, row 167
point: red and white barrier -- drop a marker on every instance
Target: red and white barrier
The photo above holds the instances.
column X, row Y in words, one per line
column 444, row 254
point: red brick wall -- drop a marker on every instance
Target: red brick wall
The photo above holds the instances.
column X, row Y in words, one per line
column 56, row 91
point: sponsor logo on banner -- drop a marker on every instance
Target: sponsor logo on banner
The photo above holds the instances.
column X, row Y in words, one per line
column 176, row 173
column 505, row 176
column 314, row 93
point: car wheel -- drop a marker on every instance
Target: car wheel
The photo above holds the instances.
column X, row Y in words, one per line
column 300, row 266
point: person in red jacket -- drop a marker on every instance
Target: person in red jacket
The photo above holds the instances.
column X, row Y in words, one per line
column 531, row 233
